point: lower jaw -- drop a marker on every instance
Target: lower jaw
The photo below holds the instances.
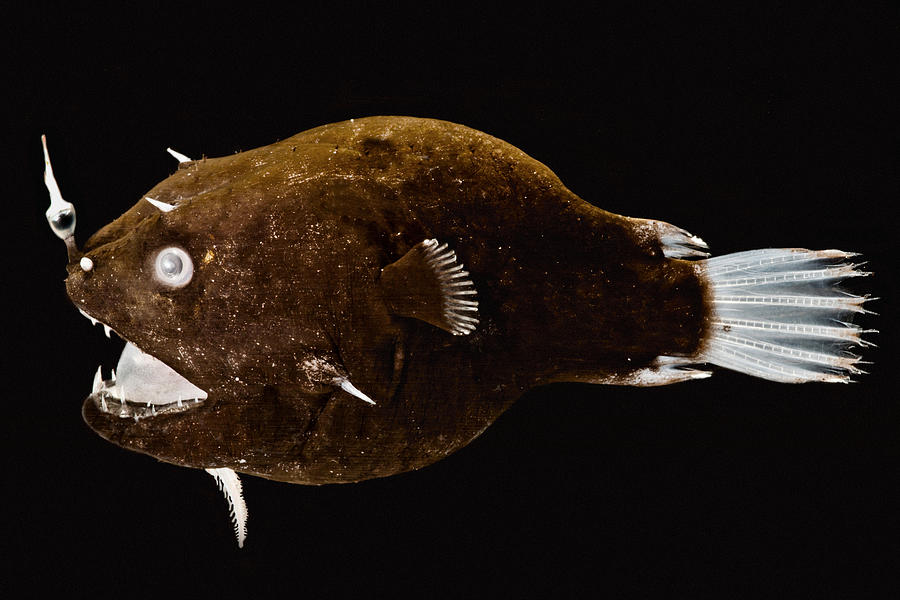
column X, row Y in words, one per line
column 167, row 436
column 145, row 388
column 109, row 404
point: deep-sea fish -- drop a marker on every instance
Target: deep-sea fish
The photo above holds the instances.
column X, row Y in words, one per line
column 367, row 297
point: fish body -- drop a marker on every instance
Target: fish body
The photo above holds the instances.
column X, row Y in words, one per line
column 367, row 297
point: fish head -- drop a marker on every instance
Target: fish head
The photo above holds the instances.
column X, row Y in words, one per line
column 144, row 281
column 228, row 319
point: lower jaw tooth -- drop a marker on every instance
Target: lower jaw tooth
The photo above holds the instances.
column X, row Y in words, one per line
column 128, row 408
column 98, row 382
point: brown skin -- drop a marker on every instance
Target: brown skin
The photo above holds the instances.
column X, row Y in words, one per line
column 288, row 242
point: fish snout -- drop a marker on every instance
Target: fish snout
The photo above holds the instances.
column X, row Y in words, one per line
column 79, row 281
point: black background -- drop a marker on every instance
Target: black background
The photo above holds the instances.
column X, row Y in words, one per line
column 749, row 128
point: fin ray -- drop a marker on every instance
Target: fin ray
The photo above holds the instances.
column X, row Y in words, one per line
column 230, row 484
column 776, row 313
column 675, row 242
column 428, row 283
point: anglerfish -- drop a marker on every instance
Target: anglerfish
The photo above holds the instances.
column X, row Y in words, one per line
column 365, row 298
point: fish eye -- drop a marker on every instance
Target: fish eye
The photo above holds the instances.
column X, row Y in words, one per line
column 174, row 267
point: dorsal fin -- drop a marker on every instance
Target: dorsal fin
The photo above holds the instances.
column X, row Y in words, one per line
column 428, row 284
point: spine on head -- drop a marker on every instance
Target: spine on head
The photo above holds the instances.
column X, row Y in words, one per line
column 778, row 314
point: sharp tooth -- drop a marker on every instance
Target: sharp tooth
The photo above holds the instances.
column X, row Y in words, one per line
column 106, row 329
column 98, row 382
column 113, row 376
column 89, row 317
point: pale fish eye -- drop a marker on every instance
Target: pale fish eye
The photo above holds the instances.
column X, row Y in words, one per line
column 173, row 267
column 170, row 264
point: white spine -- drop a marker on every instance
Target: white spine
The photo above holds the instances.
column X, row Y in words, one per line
column 230, row 484
column 777, row 314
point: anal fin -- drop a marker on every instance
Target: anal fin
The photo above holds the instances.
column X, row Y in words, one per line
column 429, row 284
column 663, row 371
column 230, row 484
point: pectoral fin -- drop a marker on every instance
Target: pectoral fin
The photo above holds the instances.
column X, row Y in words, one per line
column 429, row 284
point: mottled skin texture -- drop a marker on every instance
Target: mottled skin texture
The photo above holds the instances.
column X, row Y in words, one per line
column 288, row 242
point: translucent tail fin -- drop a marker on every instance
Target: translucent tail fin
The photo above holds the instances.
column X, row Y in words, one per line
column 777, row 314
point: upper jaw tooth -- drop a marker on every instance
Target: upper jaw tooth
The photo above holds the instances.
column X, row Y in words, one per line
column 106, row 328
column 89, row 317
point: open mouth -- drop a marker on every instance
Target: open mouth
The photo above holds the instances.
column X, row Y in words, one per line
column 141, row 385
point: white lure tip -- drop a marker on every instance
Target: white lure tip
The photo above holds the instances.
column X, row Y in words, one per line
column 86, row 264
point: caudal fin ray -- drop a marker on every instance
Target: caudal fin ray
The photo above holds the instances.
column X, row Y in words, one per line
column 778, row 314
column 846, row 332
column 776, row 367
column 770, row 260
column 842, row 303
